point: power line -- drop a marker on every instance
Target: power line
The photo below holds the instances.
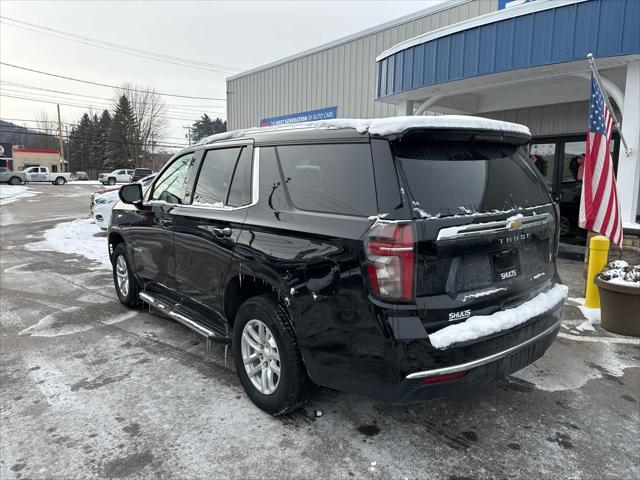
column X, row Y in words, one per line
column 68, row 137
column 102, row 98
column 106, row 84
column 11, row 120
column 84, row 106
column 104, row 102
column 66, row 124
column 160, row 57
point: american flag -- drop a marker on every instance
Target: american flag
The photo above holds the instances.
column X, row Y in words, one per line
column 599, row 208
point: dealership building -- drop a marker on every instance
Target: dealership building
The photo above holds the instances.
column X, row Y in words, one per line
column 521, row 61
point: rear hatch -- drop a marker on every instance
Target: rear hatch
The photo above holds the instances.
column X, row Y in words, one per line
column 484, row 224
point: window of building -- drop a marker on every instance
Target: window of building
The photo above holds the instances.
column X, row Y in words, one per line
column 543, row 156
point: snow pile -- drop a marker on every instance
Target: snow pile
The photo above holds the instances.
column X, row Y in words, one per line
column 471, row 213
column 592, row 315
column 110, row 196
column 11, row 193
column 621, row 273
column 76, row 237
column 84, row 182
column 205, row 204
column 384, row 126
column 483, row 325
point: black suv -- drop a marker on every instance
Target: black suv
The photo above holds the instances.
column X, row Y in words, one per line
column 403, row 261
column 140, row 173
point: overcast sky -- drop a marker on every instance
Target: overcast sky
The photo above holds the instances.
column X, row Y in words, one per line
column 234, row 35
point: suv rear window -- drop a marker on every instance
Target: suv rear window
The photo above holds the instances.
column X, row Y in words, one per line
column 332, row 178
column 458, row 178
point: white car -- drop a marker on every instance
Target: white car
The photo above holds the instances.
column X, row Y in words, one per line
column 121, row 175
column 102, row 202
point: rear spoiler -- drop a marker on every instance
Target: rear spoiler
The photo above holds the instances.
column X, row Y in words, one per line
column 463, row 135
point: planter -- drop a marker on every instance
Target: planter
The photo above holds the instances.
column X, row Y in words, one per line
column 619, row 308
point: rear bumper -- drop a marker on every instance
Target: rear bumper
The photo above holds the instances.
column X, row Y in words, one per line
column 416, row 364
column 479, row 372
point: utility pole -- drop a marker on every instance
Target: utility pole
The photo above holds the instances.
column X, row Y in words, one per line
column 66, row 134
column 153, row 151
column 60, row 138
column 188, row 135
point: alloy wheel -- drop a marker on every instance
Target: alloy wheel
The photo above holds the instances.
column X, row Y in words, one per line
column 122, row 276
column 260, row 356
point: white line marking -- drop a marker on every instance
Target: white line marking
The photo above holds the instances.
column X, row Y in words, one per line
column 580, row 338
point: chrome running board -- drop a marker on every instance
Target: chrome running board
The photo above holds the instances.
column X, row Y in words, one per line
column 210, row 335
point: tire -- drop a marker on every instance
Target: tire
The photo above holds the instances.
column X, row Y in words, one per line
column 128, row 296
column 60, row 181
column 292, row 386
column 15, row 181
column 111, row 181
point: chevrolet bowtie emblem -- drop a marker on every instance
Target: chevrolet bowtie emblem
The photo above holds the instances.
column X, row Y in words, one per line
column 514, row 224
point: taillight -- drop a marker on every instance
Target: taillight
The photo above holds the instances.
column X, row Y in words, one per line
column 390, row 259
column 443, row 378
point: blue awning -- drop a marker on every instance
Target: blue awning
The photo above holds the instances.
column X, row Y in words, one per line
column 542, row 33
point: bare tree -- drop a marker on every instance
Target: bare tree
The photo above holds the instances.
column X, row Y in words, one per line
column 149, row 111
column 46, row 125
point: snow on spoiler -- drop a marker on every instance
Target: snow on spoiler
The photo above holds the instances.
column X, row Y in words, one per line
column 482, row 325
column 385, row 126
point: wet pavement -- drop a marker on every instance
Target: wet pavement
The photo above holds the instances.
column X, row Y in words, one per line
column 90, row 389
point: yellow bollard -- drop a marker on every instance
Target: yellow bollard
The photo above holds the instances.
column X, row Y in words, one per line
column 598, row 256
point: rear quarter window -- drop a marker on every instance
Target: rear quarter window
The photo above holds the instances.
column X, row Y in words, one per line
column 331, row 178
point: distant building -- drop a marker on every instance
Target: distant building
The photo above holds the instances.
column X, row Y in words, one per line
column 28, row 157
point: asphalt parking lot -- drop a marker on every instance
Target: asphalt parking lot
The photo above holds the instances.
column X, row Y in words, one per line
column 90, row 389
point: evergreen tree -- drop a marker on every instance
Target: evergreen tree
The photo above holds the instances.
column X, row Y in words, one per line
column 79, row 141
column 206, row 126
column 124, row 144
column 103, row 145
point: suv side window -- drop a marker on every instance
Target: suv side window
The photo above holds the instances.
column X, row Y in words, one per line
column 240, row 191
column 215, row 175
column 171, row 185
column 332, row 178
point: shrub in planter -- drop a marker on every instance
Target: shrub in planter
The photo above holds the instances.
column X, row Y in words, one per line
column 619, row 287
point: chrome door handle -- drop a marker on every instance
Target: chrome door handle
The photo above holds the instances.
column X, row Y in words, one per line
column 166, row 222
column 222, row 232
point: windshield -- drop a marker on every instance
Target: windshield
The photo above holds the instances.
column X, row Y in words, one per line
column 462, row 178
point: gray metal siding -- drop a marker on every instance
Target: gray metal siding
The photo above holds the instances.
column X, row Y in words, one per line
column 343, row 75
column 559, row 119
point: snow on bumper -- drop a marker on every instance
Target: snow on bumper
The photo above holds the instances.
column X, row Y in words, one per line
column 482, row 325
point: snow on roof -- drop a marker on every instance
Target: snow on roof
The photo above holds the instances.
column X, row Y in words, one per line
column 383, row 126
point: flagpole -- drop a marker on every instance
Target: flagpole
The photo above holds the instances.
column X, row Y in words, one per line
column 596, row 74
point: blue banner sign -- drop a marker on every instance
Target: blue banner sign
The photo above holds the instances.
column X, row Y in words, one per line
column 502, row 4
column 310, row 116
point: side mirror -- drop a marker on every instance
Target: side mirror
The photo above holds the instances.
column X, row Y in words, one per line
column 131, row 193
